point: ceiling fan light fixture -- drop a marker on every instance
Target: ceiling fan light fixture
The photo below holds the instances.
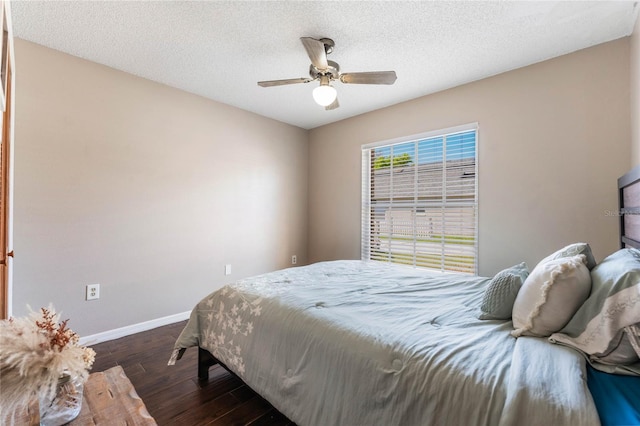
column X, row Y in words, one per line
column 324, row 94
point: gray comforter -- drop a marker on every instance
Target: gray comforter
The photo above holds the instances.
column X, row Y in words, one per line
column 365, row 343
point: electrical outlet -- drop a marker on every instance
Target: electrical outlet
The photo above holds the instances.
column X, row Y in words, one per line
column 227, row 269
column 93, row 291
column 294, row 259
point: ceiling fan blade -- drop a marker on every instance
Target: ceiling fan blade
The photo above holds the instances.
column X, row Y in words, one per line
column 374, row 77
column 316, row 52
column 272, row 83
column 333, row 105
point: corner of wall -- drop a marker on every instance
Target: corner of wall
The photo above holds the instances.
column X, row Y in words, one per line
column 634, row 89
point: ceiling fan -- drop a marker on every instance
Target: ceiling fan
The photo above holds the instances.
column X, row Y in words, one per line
column 327, row 71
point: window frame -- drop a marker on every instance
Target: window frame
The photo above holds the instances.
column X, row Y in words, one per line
column 366, row 179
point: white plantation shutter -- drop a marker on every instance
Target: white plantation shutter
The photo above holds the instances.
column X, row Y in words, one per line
column 419, row 200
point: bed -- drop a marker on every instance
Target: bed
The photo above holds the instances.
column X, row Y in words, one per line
column 362, row 342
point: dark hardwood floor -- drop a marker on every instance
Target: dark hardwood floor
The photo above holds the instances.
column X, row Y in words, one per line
column 173, row 394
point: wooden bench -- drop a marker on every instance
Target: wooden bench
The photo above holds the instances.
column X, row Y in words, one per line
column 108, row 398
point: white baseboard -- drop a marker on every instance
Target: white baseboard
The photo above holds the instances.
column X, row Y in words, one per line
column 117, row 333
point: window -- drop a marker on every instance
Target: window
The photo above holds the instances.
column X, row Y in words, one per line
column 420, row 200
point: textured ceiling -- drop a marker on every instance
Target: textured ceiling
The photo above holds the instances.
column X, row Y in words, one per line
column 220, row 49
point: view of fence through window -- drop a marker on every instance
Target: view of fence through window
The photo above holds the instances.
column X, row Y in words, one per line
column 420, row 202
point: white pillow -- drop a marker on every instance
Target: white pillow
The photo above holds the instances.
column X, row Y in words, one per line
column 550, row 296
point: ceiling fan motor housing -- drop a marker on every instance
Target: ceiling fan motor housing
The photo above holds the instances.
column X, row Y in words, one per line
column 332, row 71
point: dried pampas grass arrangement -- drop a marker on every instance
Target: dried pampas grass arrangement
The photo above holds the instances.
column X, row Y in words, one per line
column 35, row 352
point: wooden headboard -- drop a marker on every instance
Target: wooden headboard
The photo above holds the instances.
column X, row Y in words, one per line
column 629, row 200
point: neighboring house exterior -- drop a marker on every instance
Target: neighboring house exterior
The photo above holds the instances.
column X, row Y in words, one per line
column 453, row 191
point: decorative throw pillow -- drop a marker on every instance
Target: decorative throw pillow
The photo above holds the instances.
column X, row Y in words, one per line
column 606, row 325
column 573, row 250
column 497, row 302
column 550, row 296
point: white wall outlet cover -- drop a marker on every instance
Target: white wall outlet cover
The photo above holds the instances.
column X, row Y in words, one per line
column 93, row 291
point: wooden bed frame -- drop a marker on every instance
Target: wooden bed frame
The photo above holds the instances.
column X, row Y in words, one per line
column 629, row 208
column 205, row 361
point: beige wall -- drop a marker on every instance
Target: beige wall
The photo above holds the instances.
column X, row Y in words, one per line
column 144, row 189
column 634, row 61
column 553, row 139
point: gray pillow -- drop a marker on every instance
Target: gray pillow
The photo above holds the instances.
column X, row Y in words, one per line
column 573, row 250
column 497, row 302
